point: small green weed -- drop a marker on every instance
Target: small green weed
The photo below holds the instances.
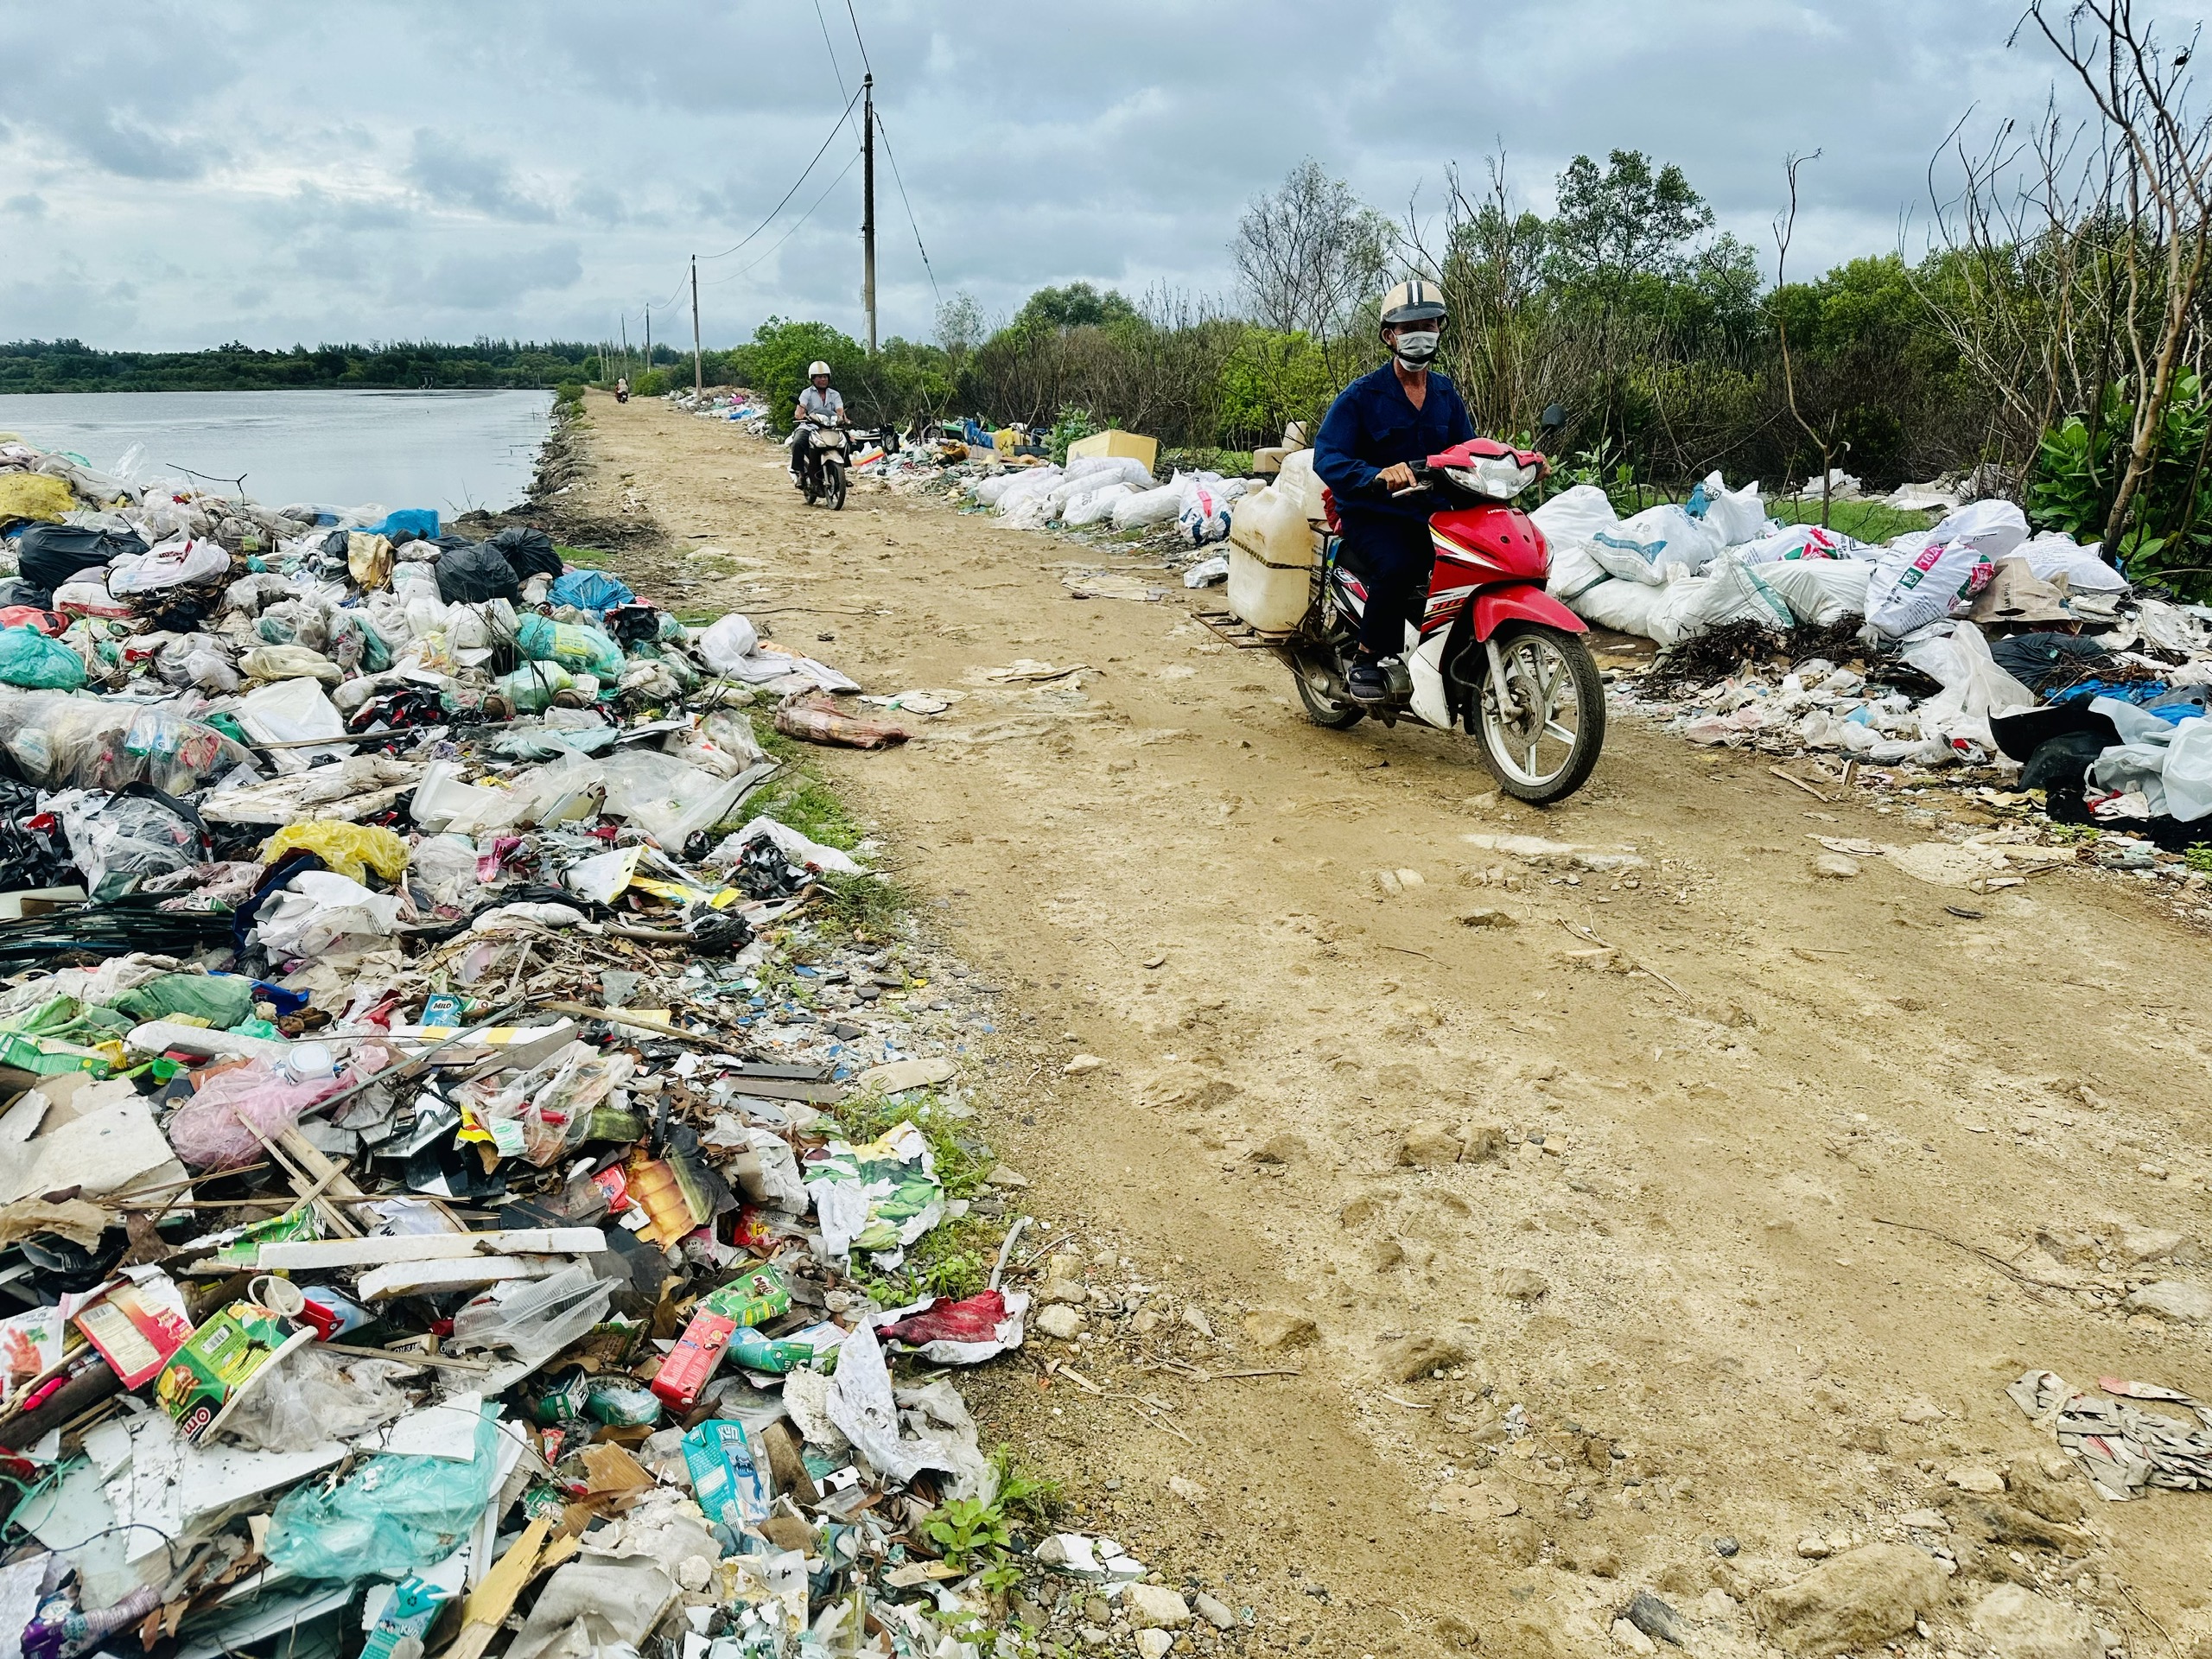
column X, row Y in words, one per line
column 861, row 907
column 591, row 558
column 2198, row 856
column 971, row 1534
column 800, row 799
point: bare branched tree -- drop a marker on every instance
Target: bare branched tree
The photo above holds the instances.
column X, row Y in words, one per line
column 2146, row 101
column 1785, row 227
column 1310, row 254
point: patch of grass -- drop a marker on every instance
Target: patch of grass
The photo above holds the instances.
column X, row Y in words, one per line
column 1229, row 463
column 2197, row 855
column 960, row 1166
column 800, row 798
column 861, row 907
column 591, row 558
column 1868, row 521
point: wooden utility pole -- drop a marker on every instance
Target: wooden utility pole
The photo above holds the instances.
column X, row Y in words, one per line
column 867, row 205
column 698, row 373
column 626, row 345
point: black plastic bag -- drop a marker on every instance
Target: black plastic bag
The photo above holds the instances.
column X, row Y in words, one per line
column 49, row 555
column 530, row 552
column 470, row 574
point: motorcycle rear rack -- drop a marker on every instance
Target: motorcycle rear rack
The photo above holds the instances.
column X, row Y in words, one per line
column 1238, row 633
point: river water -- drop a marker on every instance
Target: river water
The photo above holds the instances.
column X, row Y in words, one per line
column 451, row 450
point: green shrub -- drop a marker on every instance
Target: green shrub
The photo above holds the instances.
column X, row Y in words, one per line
column 568, row 391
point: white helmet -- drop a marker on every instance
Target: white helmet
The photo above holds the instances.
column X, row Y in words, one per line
column 815, row 368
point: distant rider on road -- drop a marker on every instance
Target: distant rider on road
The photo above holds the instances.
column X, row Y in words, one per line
column 1403, row 412
column 818, row 406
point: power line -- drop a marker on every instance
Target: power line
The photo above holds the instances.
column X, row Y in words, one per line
column 793, row 191
column 787, row 235
column 855, row 16
column 836, row 68
column 893, row 157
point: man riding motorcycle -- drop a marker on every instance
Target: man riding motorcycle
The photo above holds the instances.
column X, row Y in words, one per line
column 1403, row 412
column 818, row 406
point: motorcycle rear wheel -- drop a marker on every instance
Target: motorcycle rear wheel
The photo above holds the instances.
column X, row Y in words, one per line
column 1323, row 707
column 1547, row 750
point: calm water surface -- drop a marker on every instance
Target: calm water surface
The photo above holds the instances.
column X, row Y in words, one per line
column 451, row 450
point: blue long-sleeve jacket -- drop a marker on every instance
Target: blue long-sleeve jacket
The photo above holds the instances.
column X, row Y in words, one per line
column 1372, row 425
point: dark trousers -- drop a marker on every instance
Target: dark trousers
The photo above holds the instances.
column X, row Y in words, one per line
column 1396, row 556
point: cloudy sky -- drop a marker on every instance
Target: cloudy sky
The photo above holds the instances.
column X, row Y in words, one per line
column 175, row 175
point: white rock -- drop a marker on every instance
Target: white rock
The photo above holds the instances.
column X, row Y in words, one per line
column 1154, row 1644
column 1195, row 1316
column 1060, row 1322
column 1625, row 1635
column 1215, row 1613
column 2174, row 1300
column 1081, row 1063
column 1813, row 1547
column 1155, row 1606
column 2018, row 1623
column 1971, row 1478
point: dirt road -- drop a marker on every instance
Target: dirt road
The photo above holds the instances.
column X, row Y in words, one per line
column 1741, row 1259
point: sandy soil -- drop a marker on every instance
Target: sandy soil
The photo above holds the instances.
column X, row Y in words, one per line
column 1770, row 1268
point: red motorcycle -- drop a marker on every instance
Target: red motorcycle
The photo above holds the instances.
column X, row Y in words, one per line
column 1493, row 655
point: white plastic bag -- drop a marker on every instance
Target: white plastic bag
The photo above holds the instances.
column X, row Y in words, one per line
column 1974, row 687
column 1912, row 587
column 1734, row 592
column 670, row 801
column 1101, row 469
column 2188, row 770
column 726, row 644
column 2051, row 555
column 321, row 912
column 1202, row 515
column 285, row 711
column 1801, row 542
column 1569, row 520
column 1821, row 591
column 1992, row 528
column 1098, row 504
column 1738, row 515
column 172, row 564
column 1148, row 507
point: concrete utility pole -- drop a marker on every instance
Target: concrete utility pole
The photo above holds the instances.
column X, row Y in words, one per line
column 649, row 340
column 867, row 205
column 698, row 373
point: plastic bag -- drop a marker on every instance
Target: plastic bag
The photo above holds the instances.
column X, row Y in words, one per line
column 588, row 590
column 1914, row 587
column 289, row 663
column 1992, row 528
column 443, row 803
column 1738, row 515
column 352, row 850
column 2188, row 771
column 660, row 795
column 474, row 572
column 1148, row 507
column 534, row 1318
column 1202, row 513
column 1095, row 470
column 1569, row 520
column 1643, row 548
column 392, row 1517
column 31, row 495
column 1098, row 504
column 49, row 555
column 196, row 659
column 222, row 999
column 175, row 563
column 286, row 712
column 1821, row 591
column 578, row 649
column 549, row 1106
column 1734, row 592
column 727, row 642
column 528, row 551
column 369, row 557
column 1974, row 687
column 321, row 912
column 309, row 1398
column 293, row 622
column 28, row 657
column 116, row 835
column 722, row 744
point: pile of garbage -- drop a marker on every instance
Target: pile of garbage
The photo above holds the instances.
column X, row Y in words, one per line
column 1971, row 643
column 1109, row 491
column 462, row 1180
column 747, row 409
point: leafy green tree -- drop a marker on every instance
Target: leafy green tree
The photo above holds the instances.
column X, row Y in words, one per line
column 1078, row 305
column 1628, row 221
column 775, row 362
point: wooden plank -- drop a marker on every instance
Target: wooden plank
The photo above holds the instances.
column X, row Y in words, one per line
column 490, row 1602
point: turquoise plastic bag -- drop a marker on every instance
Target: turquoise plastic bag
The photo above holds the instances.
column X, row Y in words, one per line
column 578, row 649
column 29, row 657
column 392, row 1517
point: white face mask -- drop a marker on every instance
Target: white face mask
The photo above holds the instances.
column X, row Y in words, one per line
column 1416, row 349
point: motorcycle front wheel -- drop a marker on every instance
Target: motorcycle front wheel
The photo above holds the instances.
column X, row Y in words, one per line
column 833, row 492
column 1545, row 749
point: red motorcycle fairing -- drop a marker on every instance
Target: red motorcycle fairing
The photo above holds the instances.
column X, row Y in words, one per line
column 1502, row 605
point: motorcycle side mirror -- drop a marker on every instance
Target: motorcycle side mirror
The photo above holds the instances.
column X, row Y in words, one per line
column 1554, row 417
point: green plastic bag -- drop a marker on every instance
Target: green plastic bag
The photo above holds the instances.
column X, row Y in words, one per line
column 222, row 999
column 392, row 1516
column 579, row 649
column 29, row 657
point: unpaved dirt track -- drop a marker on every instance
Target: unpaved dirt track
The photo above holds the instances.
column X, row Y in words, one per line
column 1721, row 1338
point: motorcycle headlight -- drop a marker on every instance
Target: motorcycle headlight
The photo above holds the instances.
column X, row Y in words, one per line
column 1498, row 477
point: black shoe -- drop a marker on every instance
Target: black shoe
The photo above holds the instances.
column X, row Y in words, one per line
column 1368, row 682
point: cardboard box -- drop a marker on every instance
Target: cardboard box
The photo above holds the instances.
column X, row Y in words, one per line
column 1133, row 445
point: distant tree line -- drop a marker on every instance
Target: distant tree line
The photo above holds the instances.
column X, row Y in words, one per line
column 71, row 365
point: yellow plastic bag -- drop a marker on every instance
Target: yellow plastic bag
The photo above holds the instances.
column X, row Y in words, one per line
column 351, row 849
column 369, row 559
column 33, row 495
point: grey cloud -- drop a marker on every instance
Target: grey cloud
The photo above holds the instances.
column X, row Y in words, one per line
column 30, row 205
column 1115, row 144
column 455, row 174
